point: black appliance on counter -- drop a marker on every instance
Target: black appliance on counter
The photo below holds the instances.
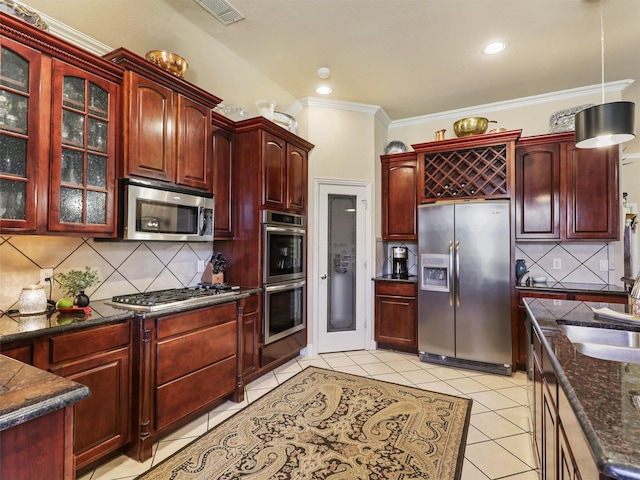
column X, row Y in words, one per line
column 399, row 262
column 159, row 300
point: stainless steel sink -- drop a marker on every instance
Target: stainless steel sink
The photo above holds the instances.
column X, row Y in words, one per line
column 605, row 343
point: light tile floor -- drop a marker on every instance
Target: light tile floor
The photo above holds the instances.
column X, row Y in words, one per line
column 499, row 438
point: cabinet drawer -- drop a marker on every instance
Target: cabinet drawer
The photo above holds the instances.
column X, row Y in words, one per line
column 251, row 304
column 86, row 342
column 194, row 320
column 179, row 356
column 186, row 395
column 553, row 296
column 396, row 288
column 586, row 297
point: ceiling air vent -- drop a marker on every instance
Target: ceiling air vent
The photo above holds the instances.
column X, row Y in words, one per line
column 222, row 10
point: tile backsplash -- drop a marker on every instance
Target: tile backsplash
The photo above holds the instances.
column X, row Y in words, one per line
column 123, row 267
column 580, row 262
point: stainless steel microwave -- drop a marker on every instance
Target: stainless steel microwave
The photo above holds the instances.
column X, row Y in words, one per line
column 158, row 212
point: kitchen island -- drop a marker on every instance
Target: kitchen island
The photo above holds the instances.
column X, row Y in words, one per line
column 596, row 400
column 36, row 422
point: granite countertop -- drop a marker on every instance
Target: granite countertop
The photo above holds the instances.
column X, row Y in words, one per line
column 391, row 278
column 600, row 391
column 607, row 289
column 27, row 392
column 14, row 327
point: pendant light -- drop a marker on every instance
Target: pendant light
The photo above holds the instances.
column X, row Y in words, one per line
column 606, row 124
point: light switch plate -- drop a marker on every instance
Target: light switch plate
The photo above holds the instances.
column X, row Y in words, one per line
column 604, row 265
column 557, row 263
column 200, row 266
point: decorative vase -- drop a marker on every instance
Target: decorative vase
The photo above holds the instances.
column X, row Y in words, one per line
column 81, row 300
column 521, row 268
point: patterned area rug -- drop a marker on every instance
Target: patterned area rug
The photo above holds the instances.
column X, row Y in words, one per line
column 322, row 424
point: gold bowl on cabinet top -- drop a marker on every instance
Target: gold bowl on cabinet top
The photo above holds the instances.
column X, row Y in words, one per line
column 169, row 61
column 471, row 126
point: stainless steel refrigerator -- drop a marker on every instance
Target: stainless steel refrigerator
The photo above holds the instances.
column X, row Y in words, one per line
column 464, row 295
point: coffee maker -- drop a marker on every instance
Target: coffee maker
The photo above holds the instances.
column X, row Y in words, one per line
column 399, row 262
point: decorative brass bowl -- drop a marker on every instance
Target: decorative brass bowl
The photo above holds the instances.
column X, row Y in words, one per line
column 169, row 61
column 471, row 126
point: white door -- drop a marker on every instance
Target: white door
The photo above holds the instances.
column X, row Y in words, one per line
column 341, row 284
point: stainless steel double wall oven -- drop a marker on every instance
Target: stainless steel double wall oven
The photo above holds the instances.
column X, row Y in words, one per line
column 284, row 277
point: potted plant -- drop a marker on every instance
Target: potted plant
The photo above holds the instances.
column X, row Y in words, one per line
column 75, row 282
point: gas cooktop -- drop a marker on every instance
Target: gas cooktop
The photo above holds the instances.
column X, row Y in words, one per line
column 173, row 297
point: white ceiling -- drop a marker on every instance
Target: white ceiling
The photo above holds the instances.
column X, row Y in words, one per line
column 412, row 57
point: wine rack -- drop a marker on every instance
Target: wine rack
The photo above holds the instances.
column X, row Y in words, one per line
column 465, row 170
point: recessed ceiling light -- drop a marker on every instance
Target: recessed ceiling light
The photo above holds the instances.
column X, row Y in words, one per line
column 493, row 48
column 324, row 90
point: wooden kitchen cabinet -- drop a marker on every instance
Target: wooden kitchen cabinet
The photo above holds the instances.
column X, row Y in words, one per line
column 396, row 322
column 59, row 129
column 399, row 189
column 186, row 364
column 100, row 359
column 564, row 193
column 251, row 336
column 222, row 138
column 563, row 451
column 166, row 125
column 284, row 173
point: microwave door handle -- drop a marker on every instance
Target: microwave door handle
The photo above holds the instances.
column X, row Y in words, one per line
column 201, row 223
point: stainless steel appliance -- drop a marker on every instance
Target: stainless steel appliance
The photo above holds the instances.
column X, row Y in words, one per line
column 284, row 246
column 284, row 309
column 399, row 262
column 152, row 211
column 464, row 299
column 284, row 274
column 159, row 300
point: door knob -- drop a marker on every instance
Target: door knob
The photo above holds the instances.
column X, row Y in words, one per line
column 323, row 277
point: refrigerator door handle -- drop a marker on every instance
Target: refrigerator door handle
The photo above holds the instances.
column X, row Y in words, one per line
column 450, row 282
column 457, row 286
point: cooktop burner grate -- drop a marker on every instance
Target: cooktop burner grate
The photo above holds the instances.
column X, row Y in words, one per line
column 172, row 297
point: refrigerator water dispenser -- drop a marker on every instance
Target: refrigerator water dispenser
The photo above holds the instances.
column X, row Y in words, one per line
column 434, row 272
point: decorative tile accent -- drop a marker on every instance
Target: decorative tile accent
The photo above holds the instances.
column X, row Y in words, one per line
column 123, row 267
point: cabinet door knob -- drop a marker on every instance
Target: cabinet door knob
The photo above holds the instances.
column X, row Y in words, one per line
column 323, row 277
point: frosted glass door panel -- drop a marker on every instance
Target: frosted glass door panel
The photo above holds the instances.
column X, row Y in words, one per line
column 341, row 313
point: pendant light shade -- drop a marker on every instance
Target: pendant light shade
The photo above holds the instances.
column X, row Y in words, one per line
column 606, row 124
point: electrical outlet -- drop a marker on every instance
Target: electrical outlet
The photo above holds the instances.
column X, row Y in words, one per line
column 557, row 263
column 200, row 265
column 44, row 274
column 604, row 265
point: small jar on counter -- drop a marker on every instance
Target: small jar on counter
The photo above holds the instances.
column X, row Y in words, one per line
column 32, row 300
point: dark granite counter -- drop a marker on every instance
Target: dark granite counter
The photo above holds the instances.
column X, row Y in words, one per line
column 599, row 391
column 27, row 392
column 391, row 278
column 588, row 288
column 14, row 327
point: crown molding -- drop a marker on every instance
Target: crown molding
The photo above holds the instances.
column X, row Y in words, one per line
column 612, row 87
column 376, row 110
column 74, row 36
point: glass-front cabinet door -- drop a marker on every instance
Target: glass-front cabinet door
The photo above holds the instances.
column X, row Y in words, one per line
column 82, row 190
column 20, row 69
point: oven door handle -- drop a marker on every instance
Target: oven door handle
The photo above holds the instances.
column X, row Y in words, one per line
column 286, row 286
column 273, row 228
